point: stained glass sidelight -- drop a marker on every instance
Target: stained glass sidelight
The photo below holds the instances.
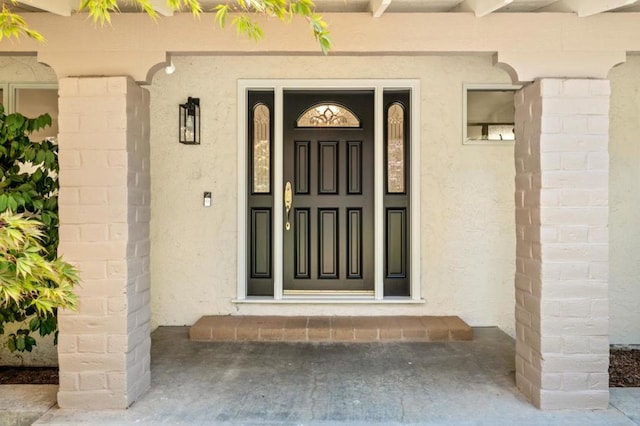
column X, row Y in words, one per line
column 261, row 149
column 395, row 149
column 328, row 115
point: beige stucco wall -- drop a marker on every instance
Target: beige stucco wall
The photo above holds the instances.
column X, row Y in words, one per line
column 24, row 69
column 468, row 246
column 468, row 241
column 624, row 200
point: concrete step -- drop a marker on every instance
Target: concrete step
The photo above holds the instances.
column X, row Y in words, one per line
column 329, row 329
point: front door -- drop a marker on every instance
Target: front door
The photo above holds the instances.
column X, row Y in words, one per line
column 328, row 169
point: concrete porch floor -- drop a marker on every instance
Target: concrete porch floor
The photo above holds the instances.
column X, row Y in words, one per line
column 436, row 383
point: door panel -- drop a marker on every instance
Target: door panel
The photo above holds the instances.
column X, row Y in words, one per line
column 396, row 246
column 302, row 167
column 329, row 247
column 328, row 243
column 354, row 167
column 328, row 168
column 301, row 229
column 354, row 243
column 261, row 243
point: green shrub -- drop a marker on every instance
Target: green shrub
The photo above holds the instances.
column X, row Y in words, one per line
column 34, row 282
column 31, row 285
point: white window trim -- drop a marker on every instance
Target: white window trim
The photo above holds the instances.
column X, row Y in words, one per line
column 10, row 95
column 5, row 96
column 279, row 86
column 482, row 86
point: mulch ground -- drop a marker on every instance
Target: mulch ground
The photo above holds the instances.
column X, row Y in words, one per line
column 624, row 371
column 624, row 368
column 28, row 376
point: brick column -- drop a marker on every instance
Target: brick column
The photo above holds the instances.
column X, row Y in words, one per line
column 104, row 347
column 562, row 343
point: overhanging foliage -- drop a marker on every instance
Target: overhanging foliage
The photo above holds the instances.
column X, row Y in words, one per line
column 242, row 12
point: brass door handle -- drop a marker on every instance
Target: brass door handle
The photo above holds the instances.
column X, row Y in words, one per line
column 288, row 202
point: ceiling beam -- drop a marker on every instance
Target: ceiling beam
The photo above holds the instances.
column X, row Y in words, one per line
column 593, row 7
column 587, row 7
column 482, row 7
column 58, row 7
column 161, row 7
column 378, row 7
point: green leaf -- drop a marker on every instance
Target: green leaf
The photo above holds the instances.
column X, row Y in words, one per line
column 222, row 13
column 37, row 175
column 40, row 156
column 30, row 342
column 11, row 343
column 3, row 202
column 51, row 203
column 12, row 203
column 19, row 199
column 50, row 158
column 19, row 120
column 20, row 343
column 34, row 324
column 48, row 325
column 13, row 25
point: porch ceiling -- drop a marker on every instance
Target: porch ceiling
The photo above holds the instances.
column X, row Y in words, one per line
column 582, row 8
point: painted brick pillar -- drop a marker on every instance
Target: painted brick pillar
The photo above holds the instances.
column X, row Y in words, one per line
column 562, row 170
column 104, row 347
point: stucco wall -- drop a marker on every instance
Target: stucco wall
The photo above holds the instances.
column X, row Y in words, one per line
column 25, row 69
column 468, row 241
column 624, row 201
column 468, row 246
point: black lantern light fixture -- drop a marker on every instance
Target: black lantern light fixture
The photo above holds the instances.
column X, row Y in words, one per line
column 190, row 122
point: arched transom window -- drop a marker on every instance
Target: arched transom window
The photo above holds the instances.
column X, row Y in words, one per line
column 328, row 115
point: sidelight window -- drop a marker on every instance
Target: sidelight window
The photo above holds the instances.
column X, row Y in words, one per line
column 395, row 149
column 261, row 149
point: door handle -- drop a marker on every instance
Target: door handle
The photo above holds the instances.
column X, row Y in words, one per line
column 288, row 202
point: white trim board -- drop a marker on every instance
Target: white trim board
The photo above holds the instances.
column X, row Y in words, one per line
column 278, row 87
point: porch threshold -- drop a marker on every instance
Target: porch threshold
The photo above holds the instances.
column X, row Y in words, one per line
column 319, row 300
column 219, row 328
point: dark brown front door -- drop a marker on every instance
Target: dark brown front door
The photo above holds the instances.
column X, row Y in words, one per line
column 328, row 244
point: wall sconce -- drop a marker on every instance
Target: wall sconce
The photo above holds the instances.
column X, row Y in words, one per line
column 190, row 122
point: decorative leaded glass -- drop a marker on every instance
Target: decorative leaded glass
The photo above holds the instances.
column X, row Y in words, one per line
column 261, row 149
column 328, row 115
column 395, row 149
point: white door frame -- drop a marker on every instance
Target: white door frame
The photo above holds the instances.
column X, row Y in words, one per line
column 278, row 87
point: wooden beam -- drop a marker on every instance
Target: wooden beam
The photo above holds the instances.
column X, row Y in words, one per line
column 482, row 7
column 560, row 6
column 378, row 7
column 585, row 8
column 58, row 7
column 161, row 7
column 593, row 7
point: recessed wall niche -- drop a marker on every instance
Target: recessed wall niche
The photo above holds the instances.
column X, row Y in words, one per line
column 488, row 113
